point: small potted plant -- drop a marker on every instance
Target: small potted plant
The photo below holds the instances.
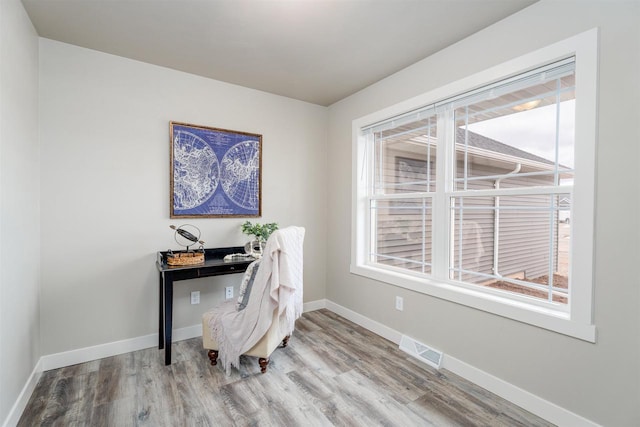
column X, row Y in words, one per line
column 260, row 233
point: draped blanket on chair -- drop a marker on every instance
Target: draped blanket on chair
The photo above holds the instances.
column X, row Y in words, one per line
column 277, row 286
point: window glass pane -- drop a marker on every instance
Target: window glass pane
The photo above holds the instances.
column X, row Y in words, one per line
column 523, row 138
column 518, row 244
column 402, row 233
column 405, row 158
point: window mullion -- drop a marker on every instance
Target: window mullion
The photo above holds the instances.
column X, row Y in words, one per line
column 444, row 183
column 370, row 224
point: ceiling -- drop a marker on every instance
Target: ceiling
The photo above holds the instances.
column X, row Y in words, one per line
column 319, row 51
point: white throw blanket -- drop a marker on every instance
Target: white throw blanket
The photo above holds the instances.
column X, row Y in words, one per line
column 277, row 285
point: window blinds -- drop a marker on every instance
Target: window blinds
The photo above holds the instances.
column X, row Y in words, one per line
column 539, row 75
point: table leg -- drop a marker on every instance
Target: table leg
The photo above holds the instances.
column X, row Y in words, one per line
column 161, row 311
column 168, row 317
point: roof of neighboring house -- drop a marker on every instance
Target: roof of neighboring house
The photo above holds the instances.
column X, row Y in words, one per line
column 564, row 202
column 479, row 141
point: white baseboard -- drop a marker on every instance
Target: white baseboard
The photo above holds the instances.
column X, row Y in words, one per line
column 532, row 403
column 314, row 305
column 21, row 402
column 375, row 327
column 187, row 333
column 87, row 354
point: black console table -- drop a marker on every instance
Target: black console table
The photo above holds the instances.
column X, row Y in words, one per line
column 213, row 265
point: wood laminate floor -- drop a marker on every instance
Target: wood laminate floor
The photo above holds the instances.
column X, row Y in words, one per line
column 332, row 373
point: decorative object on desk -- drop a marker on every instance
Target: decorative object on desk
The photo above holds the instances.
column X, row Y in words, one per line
column 186, row 238
column 261, row 233
column 215, row 173
column 236, row 257
column 185, row 258
column 186, row 235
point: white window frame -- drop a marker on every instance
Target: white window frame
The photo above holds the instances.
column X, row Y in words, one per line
column 577, row 320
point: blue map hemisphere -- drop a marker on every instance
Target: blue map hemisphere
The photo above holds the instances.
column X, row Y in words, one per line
column 239, row 174
column 196, row 171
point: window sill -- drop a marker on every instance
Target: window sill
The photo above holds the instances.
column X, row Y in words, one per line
column 542, row 317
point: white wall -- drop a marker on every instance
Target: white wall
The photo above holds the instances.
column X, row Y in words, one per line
column 19, row 203
column 601, row 381
column 105, row 189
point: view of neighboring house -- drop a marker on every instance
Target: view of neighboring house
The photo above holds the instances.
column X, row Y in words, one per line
column 490, row 229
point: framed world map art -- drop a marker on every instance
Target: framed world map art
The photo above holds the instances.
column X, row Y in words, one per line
column 215, row 173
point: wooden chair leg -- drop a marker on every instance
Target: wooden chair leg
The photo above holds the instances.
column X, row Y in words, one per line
column 285, row 341
column 263, row 364
column 213, row 356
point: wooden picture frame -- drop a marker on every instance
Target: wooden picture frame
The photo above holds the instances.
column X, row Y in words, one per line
column 214, row 173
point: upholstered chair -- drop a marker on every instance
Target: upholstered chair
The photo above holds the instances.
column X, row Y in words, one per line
column 262, row 349
column 269, row 302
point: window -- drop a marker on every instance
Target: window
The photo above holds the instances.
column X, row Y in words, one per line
column 401, row 199
column 482, row 192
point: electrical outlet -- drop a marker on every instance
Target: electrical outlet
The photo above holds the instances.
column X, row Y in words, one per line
column 195, row 297
column 399, row 303
column 228, row 292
